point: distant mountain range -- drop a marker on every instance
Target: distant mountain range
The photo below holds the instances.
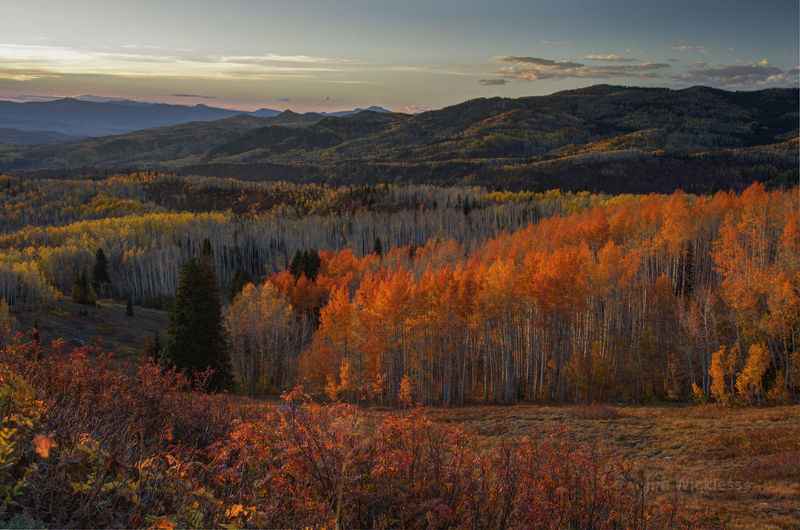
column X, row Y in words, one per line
column 602, row 137
column 92, row 116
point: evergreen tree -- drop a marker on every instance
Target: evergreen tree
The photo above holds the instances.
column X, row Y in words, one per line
column 296, row 266
column 240, row 278
column 311, row 264
column 100, row 269
column 152, row 349
column 196, row 335
column 82, row 291
column 306, row 263
column 129, row 307
column 377, row 248
column 207, row 259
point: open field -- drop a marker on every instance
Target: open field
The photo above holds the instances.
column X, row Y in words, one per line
column 77, row 324
column 736, row 467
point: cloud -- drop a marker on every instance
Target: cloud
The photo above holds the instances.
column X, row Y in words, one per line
column 414, row 109
column 193, row 96
column 686, row 48
column 535, row 69
column 23, row 98
column 534, row 61
column 28, row 62
column 742, row 76
column 492, row 82
column 698, row 64
column 613, row 58
column 285, row 100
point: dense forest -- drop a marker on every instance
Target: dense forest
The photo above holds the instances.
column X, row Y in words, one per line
column 149, row 225
column 445, row 295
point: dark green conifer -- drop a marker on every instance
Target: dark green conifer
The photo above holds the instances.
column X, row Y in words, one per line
column 100, row 269
column 240, row 278
column 82, row 291
column 296, row 266
column 196, row 335
column 311, row 264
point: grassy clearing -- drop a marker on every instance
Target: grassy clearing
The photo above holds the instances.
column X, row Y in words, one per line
column 737, row 467
column 122, row 334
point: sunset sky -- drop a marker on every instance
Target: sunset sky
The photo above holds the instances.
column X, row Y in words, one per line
column 405, row 55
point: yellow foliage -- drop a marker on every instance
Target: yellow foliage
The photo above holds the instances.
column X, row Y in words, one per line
column 748, row 383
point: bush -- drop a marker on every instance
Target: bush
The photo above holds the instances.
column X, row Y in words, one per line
column 123, row 445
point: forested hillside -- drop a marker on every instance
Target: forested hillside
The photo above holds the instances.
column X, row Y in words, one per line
column 149, row 225
column 607, row 138
column 449, row 295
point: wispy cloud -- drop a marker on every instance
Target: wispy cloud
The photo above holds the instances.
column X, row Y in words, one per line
column 24, row 98
column 492, row 82
column 196, row 96
column 612, row 58
column 27, row 62
column 687, row 47
column 740, row 76
column 536, row 68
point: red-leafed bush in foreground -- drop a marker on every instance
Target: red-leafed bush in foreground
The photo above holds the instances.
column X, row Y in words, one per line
column 89, row 442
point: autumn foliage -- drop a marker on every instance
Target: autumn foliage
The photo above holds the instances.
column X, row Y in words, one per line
column 658, row 297
column 88, row 442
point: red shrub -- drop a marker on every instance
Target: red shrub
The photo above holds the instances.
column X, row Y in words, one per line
column 135, row 445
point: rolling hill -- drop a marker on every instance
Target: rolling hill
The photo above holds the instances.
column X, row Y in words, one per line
column 595, row 137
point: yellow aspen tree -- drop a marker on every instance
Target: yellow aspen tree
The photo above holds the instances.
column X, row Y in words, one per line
column 748, row 383
column 717, row 373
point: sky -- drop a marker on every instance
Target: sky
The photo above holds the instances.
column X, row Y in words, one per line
column 404, row 55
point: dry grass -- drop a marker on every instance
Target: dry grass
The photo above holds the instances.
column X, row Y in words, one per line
column 594, row 411
column 123, row 335
column 736, row 467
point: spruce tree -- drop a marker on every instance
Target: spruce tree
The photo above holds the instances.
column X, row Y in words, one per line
column 296, row 266
column 129, row 307
column 311, row 264
column 82, row 291
column 240, row 278
column 152, row 349
column 100, row 269
column 196, row 335
column 377, row 248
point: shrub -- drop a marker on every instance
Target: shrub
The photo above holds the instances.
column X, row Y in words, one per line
column 112, row 444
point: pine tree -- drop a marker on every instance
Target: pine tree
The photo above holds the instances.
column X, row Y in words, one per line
column 152, row 349
column 378, row 247
column 311, row 264
column 129, row 307
column 296, row 266
column 100, row 269
column 207, row 259
column 240, row 278
column 82, row 291
column 196, row 335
